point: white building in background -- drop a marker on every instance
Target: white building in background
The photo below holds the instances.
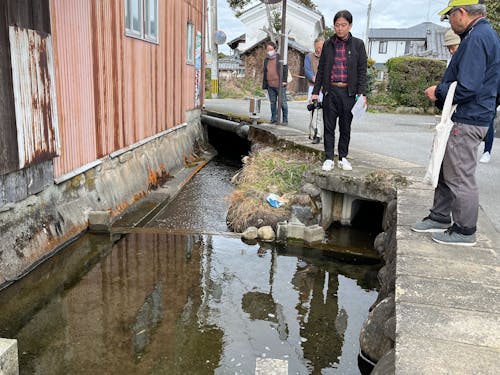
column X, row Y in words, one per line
column 424, row 40
column 303, row 24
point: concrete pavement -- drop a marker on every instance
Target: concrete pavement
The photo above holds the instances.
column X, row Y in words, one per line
column 447, row 298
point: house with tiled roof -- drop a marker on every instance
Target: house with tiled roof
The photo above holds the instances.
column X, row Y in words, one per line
column 303, row 25
column 424, row 40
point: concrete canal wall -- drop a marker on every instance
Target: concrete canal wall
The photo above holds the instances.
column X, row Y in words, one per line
column 437, row 311
column 34, row 227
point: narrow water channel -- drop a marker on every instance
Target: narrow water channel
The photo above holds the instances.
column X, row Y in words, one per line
column 160, row 302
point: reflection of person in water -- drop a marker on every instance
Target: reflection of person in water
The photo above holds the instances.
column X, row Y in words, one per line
column 317, row 319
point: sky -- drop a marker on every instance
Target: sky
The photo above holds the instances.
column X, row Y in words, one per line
column 385, row 13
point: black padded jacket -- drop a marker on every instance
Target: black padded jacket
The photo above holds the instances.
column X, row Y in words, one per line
column 356, row 66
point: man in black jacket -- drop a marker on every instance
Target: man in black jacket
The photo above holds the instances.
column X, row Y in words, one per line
column 342, row 78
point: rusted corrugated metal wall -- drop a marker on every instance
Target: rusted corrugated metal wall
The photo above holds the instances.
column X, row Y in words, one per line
column 113, row 90
column 34, row 95
column 27, row 14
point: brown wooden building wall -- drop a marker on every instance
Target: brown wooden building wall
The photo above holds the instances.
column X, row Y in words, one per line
column 114, row 90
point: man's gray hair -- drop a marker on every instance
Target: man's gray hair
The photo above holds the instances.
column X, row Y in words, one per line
column 475, row 9
column 319, row 39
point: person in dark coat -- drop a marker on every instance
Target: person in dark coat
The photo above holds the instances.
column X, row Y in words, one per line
column 475, row 66
column 341, row 77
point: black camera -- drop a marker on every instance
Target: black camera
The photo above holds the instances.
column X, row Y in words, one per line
column 314, row 105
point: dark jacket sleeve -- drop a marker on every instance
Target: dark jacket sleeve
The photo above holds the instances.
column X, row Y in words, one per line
column 362, row 69
column 264, row 75
column 285, row 73
column 321, row 67
column 470, row 76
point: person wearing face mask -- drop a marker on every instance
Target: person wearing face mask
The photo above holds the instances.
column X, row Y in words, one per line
column 342, row 78
column 270, row 82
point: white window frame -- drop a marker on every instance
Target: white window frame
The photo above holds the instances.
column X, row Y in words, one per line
column 144, row 30
column 382, row 47
column 190, row 43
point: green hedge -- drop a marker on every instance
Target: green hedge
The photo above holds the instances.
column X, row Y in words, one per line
column 410, row 76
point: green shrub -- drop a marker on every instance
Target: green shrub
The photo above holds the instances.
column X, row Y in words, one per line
column 371, row 76
column 382, row 98
column 410, row 76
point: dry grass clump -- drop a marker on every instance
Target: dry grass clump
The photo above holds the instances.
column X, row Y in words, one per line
column 267, row 171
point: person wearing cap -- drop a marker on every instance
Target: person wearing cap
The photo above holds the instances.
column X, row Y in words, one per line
column 451, row 41
column 342, row 78
column 475, row 67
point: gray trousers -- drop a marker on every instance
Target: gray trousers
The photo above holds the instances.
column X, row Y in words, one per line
column 457, row 192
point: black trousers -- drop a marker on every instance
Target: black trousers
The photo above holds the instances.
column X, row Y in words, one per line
column 337, row 104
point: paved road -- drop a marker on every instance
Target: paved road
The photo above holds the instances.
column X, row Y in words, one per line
column 406, row 137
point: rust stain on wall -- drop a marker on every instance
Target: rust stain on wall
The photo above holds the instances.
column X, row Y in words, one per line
column 128, row 89
column 34, row 95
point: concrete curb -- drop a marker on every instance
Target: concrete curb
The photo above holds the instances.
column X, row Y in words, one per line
column 8, row 357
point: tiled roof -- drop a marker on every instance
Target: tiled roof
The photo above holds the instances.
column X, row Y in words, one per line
column 413, row 33
column 291, row 44
column 426, row 39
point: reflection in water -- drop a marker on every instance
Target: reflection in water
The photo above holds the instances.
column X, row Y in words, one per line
column 176, row 304
column 317, row 312
column 147, row 318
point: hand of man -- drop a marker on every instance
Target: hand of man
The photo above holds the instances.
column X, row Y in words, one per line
column 314, row 97
column 430, row 93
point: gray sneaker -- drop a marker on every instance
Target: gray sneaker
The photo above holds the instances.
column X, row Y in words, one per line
column 429, row 225
column 452, row 237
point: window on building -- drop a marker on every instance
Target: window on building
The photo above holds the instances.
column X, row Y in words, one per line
column 190, row 43
column 141, row 19
column 382, row 47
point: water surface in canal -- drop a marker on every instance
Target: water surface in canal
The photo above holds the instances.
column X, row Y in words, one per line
column 159, row 302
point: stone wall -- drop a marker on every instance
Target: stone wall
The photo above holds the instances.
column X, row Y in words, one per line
column 254, row 65
column 378, row 334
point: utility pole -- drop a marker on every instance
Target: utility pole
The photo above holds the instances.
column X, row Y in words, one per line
column 214, row 71
column 283, row 57
column 368, row 15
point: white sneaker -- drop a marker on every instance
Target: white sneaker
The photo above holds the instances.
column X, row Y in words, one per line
column 328, row 165
column 345, row 165
column 485, row 158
